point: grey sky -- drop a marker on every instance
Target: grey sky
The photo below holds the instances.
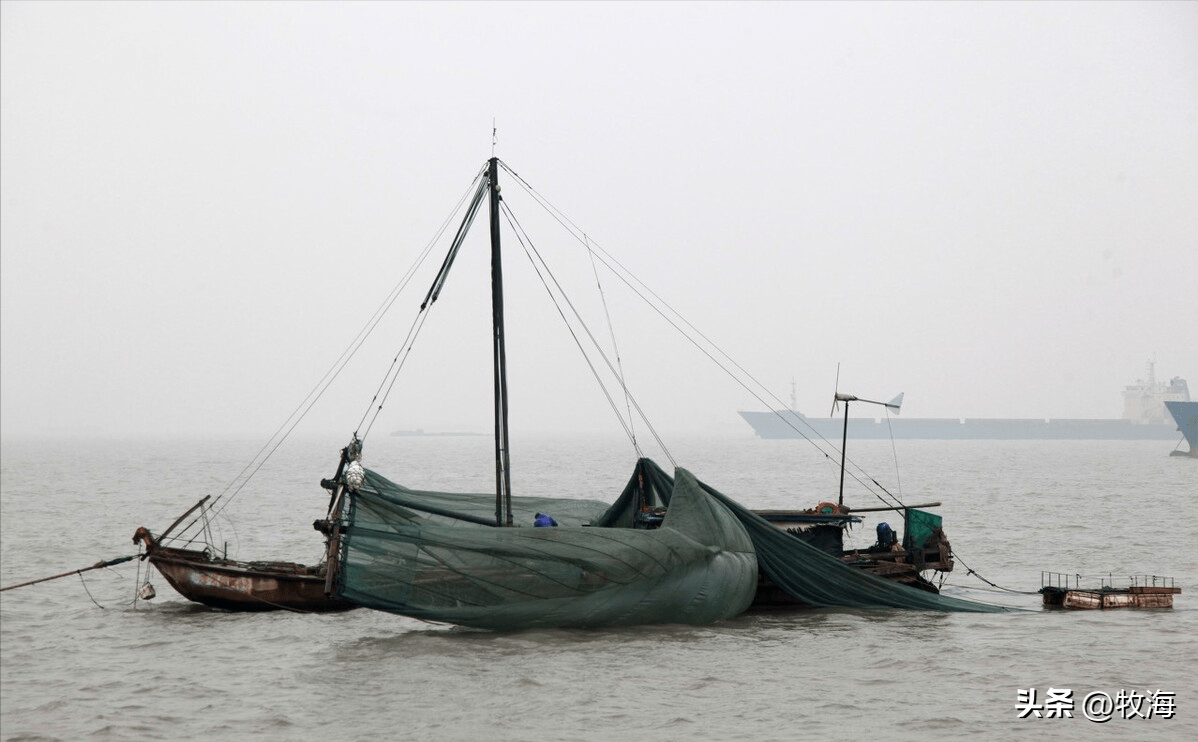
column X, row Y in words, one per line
column 988, row 206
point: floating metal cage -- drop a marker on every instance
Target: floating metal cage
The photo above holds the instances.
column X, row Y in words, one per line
column 1063, row 581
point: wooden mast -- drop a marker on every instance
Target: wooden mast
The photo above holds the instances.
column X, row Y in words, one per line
column 503, row 480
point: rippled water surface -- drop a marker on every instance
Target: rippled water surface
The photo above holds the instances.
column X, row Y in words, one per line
column 80, row 660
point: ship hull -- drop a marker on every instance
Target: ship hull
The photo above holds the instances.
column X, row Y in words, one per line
column 1186, row 416
column 788, row 424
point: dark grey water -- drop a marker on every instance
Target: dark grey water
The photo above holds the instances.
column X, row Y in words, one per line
column 168, row 669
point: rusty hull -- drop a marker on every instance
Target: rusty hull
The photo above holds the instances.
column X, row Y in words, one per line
column 245, row 586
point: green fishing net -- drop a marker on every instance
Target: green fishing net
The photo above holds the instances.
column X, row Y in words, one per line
column 668, row 550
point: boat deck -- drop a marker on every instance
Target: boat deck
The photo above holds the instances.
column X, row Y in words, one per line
column 823, row 529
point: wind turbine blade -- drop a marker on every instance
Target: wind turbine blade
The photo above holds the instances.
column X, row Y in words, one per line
column 835, row 392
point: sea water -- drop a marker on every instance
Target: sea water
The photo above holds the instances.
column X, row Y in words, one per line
column 81, row 659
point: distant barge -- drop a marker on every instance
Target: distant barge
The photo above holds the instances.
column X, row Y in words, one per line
column 1143, row 591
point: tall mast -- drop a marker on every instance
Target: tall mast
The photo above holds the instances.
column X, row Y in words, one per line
column 503, row 479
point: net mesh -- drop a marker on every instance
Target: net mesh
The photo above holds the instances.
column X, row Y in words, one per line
column 697, row 567
column 431, row 555
column 819, row 579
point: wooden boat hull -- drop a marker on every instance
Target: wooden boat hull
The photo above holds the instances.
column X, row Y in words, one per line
column 245, row 586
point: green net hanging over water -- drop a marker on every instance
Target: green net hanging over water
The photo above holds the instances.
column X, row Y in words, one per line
column 668, row 550
column 816, row 578
column 698, row 566
column 819, row 579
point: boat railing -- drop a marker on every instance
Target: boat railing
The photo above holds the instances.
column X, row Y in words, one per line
column 1065, row 581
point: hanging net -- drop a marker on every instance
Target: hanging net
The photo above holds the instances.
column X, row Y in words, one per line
column 816, row 578
column 695, row 566
column 668, row 550
column 810, row 575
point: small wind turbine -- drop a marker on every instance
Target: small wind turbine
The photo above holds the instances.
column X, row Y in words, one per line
column 837, row 397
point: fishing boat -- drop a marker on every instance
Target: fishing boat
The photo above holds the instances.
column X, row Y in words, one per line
column 921, row 551
column 922, row 548
column 665, row 551
column 203, row 576
column 669, row 549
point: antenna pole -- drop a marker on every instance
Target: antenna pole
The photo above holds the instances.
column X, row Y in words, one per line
column 503, row 477
column 844, row 446
column 893, row 404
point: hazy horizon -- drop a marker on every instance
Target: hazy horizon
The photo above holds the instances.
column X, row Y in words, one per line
column 987, row 206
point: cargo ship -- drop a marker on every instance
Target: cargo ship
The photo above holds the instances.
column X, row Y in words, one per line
column 1145, row 417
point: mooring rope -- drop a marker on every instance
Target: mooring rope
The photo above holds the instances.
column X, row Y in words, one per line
column 974, row 572
column 89, row 592
column 542, row 270
column 611, row 331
